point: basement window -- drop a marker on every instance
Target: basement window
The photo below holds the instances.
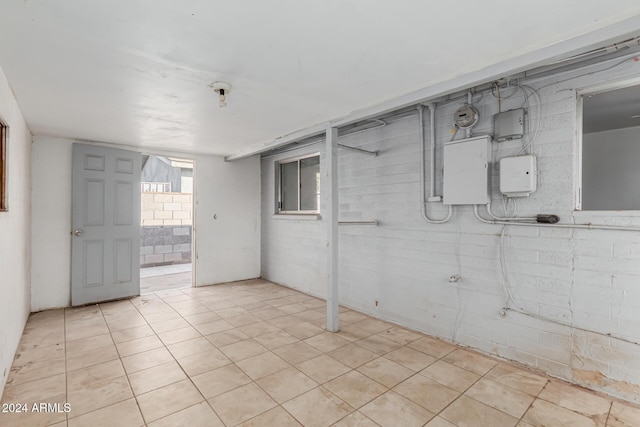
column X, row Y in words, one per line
column 3, row 167
column 298, row 185
column 610, row 178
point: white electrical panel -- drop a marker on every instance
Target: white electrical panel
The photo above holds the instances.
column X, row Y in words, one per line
column 518, row 176
column 508, row 125
column 466, row 171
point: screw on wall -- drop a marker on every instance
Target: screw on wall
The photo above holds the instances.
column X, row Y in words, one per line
column 455, row 278
column 376, row 303
column 502, row 313
column 215, row 216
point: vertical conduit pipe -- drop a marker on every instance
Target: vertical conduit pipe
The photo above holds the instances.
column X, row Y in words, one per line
column 432, row 172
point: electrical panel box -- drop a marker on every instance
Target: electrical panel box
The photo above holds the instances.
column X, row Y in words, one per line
column 466, row 178
column 518, row 176
column 508, row 125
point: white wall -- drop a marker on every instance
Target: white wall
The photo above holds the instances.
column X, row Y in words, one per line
column 610, row 173
column 588, row 278
column 15, row 232
column 227, row 249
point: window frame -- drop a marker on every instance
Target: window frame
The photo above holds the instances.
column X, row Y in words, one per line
column 578, row 175
column 279, row 187
column 4, row 138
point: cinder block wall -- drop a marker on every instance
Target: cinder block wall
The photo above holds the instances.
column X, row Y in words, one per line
column 400, row 270
column 166, row 233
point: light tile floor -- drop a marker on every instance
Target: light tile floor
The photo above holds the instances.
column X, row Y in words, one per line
column 257, row 354
column 164, row 278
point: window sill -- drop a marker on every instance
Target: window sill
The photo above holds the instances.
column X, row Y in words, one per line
column 606, row 214
column 299, row 217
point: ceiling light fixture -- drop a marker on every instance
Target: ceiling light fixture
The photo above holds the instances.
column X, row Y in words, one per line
column 222, row 89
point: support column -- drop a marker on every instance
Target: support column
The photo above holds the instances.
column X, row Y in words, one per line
column 332, row 229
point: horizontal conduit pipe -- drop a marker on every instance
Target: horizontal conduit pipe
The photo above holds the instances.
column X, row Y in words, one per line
column 425, row 214
column 372, row 222
column 520, row 218
column 537, row 224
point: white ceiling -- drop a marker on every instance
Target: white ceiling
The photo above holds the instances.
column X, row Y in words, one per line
column 136, row 72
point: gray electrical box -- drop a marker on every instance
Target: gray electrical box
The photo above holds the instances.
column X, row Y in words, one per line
column 508, row 125
column 466, row 172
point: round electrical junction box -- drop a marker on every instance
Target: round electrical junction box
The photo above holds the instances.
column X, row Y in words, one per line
column 465, row 117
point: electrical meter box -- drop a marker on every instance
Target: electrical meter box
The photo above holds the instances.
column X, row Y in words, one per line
column 467, row 172
column 518, row 176
column 508, row 125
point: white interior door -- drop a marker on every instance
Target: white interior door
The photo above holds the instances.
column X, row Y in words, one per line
column 105, row 258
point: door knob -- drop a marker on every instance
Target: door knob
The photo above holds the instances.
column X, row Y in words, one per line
column 77, row 232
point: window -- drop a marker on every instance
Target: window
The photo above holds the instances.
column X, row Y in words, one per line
column 3, row 167
column 610, row 149
column 299, row 185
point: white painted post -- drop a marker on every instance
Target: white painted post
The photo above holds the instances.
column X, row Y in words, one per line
column 332, row 229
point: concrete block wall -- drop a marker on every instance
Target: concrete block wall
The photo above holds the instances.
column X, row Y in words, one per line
column 166, row 233
column 166, row 209
column 400, row 270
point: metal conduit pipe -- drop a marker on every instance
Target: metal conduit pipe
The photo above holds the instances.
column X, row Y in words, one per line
column 425, row 214
column 517, row 218
column 536, row 224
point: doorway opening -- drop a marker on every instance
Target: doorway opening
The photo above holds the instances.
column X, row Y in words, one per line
column 166, row 229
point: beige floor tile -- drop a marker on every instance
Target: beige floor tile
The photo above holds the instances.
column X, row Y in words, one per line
column 242, row 404
column 326, row 342
column 286, row 384
column 577, row 400
column 36, row 370
column 86, row 331
column 470, row 361
column 132, row 333
column 523, row 424
column 439, row 422
column 317, row 408
column 373, row 325
column 353, row 333
column 36, row 391
column 35, row 419
column 517, row 378
column 90, row 343
column 178, row 335
column 200, row 363
column 243, row 349
column 391, row 410
column 353, row 355
column 213, row 327
column 467, row 411
column 223, row 338
column 147, row 359
column 292, row 308
column 385, row 371
column 190, row 347
column 260, row 328
column 297, row 352
column 220, row 380
column 544, row 414
column 270, row 313
column 323, row 368
column 41, row 337
column 355, row 419
column 400, row 335
column 427, row 393
column 501, row 397
column 84, row 377
column 432, row 347
column 262, row 365
column 39, row 354
column 273, row 417
column 303, row 330
column 161, row 316
column 243, row 320
column 230, row 312
column 98, row 395
column 453, row 377
column 169, row 325
column 276, row 339
column 378, row 344
column 622, row 415
column 138, row 345
column 200, row 415
column 205, row 317
column 355, row 389
column 351, row 316
column 311, row 316
column 156, row 377
column 162, row 402
column 189, row 308
column 122, row 414
column 410, row 358
column 91, row 357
